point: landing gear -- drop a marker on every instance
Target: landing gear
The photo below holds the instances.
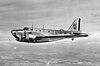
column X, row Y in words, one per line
column 72, row 39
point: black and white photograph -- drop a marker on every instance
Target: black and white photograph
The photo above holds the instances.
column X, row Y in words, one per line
column 49, row 32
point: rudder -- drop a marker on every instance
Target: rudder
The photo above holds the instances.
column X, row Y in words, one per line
column 75, row 26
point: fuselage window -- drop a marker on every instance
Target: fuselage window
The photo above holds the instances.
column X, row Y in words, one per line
column 48, row 31
column 64, row 32
column 35, row 30
column 30, row 32
column 31, row 29
column 40, row 30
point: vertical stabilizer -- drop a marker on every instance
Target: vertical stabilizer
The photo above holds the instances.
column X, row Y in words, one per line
column 75, row 26
column 79, row 24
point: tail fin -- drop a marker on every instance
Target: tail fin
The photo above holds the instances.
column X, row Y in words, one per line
column 75, row 26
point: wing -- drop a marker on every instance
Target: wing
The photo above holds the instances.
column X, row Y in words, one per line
column 65, row 36
column 58, row 36
column 51, row 38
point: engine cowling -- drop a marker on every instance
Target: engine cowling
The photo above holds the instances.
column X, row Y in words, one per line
column 32, row 36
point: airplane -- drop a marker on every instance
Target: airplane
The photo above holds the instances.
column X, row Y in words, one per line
column 39, row 35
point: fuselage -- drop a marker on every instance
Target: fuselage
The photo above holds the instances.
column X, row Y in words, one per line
column 31, row 35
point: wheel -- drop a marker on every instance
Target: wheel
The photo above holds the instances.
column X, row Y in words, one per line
column 72, row 39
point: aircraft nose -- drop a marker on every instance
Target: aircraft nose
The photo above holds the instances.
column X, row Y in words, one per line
column 18, row 34
column 14, row 33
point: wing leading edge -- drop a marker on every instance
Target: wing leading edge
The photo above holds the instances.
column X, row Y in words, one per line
column 65, row 36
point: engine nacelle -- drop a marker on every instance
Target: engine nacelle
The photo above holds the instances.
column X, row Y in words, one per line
column 32, row 36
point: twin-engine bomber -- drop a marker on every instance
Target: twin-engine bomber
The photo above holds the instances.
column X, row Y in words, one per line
column 39, row 35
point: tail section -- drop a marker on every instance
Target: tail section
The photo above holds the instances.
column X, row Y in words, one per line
column 75, row 26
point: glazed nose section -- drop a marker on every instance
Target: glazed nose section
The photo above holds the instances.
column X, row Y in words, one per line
column 16, row 35
column 13, row 32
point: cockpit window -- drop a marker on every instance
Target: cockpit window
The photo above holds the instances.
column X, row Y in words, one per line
column 25, row 28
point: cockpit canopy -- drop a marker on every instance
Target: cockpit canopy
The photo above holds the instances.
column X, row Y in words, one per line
column 26, row 28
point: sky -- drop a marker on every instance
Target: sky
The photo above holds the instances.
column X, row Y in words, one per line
column 57, row 14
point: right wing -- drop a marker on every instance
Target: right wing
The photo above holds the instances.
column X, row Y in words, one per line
column 58, row 36
column 65, row 36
